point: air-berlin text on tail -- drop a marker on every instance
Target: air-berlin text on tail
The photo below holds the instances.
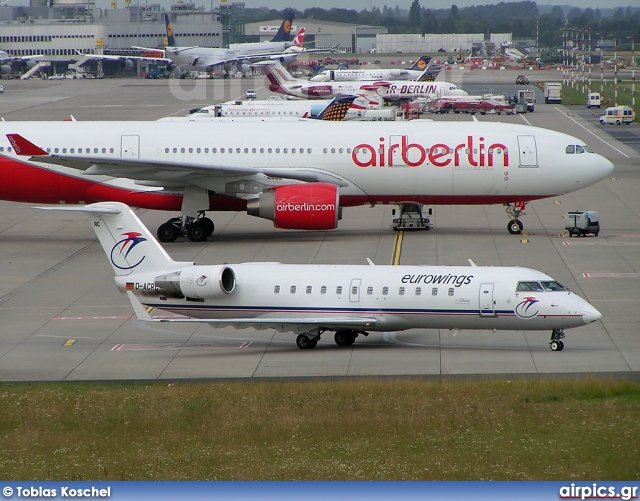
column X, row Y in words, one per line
column 392, row 152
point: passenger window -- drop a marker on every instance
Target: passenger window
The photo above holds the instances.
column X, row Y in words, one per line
column 324, row 150
column 434, row 291
column 339, row 289
column 292, row 290
column 276, row 289
column 198, row 150
column 401, row 291
column 570, row 149
column 451, row 291
column 323, row 289
column 385, row 291
column 175, row 150
column 309, row 289
column 369, row 291
column 166, row 150
column 418, row 291
column 308, row 150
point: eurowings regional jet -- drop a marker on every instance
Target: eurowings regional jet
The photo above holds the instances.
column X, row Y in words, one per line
column 281, row 81
column 298, row 174
column 349, row 300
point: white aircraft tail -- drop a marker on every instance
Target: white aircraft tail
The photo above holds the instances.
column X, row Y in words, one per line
column 129, row 245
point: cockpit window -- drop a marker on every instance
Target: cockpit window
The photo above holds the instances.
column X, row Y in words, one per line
column 570, row 149
column 587, row 149
column 552, row 286
column 579, row 149
column 529, row 286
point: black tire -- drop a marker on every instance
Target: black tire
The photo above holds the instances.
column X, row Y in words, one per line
column 167, row 232
column 345, row 338
column 515, row 227
column 197, row 232
column 304, row 342
column 555, row 345
column 208, row 223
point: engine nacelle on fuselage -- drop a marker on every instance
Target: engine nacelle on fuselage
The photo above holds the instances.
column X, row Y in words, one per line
column 199, row 281
column 313, row 206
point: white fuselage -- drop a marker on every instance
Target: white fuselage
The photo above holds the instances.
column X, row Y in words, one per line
column 370, row 75
column 373, row 162
column 198, row 58
column 394, row 297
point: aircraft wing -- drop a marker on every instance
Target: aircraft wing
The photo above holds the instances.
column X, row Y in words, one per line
column 172, row 173
column 110, row 57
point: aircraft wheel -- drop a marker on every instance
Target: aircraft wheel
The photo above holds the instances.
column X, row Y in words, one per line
column 515, row 227
column 345, row 338
column 167, row 232
column 208, row 223
column 556, row 345
column 197, row 232
column 304, row 342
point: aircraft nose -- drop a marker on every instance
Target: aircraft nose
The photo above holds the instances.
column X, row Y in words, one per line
column 590, row 314
column 606, row 167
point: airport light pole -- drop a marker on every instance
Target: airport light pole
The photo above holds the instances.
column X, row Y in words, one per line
column 601, row 67
column 589, row 46
column 582, row 47
column 615, row 70
column 633, row 72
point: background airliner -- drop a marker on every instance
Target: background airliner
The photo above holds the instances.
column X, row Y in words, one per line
column 416, row 72
column 298, row 174
column 7, row 61
column 309, row 300
column 280, row 80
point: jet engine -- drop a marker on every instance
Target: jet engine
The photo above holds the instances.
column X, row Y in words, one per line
column 30, row 63
column 199, row 281
column 395, row 73
column 5, row 69
column 127, row 64
column 313, row 206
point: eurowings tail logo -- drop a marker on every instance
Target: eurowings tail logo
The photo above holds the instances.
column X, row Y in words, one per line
column 527, row 308
column 122, row 249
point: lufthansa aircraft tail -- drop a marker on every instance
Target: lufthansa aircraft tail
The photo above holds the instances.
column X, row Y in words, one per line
column 284, row 33
column 421, row 64
column 128, row 244
column 171, row 40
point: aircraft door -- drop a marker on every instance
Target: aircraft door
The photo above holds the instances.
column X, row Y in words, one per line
column 130, row 147
column 528, row 151
column 486, row 301
column 354, row 290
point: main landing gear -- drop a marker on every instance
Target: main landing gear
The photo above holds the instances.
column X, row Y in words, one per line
column 514, row 211
column 556, row 336
column 309, row 340
column 195, row 229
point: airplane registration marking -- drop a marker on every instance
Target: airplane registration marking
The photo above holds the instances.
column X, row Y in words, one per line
column 180, row 346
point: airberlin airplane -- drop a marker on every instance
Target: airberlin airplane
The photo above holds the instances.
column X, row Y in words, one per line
column 351, row 300
column 298, row 174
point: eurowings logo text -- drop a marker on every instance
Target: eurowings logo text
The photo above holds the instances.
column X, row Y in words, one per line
column 526, row 308
column 121, row 250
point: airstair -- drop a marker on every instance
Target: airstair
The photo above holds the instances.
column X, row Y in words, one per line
column 36, row 69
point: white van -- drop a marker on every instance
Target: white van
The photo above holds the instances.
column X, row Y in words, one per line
column 618, row 115
column 593, row 100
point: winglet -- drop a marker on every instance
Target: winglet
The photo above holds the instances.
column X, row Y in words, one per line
column 24, row 147
column 139, row 310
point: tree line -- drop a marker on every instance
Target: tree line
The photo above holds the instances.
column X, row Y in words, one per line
column 522, row 19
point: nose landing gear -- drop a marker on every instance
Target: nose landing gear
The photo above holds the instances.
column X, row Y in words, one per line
column 556, row 336
column 514, row 211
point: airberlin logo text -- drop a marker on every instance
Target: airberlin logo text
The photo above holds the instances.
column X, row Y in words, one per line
column 439, row 154
column 448, row 279
column 305, row 207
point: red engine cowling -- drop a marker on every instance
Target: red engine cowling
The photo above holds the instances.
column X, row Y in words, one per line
column 313, row 206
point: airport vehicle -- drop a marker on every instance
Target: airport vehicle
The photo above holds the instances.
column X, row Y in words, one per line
column 582, row 222
column 280, row 80
column 482, row 106
column 251, row 94
column 526, row 99
column 416, row 71
column 593, row 100
column 299, row 174
column 552, row 92
column 618, row 115
column 350, row 300
column 522, row 80
column 8, row 62
column 410, row 217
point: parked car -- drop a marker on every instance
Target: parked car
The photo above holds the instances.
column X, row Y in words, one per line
column 522, row 80
column 57, row 77
column 251, row 94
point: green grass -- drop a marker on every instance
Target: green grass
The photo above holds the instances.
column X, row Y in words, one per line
column 333, row 430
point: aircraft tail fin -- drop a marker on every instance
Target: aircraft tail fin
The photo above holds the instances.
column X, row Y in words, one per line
column 421, row 64
column 284, row 32
column 298, row 40
column 171, row 40
column 430, row 73
column 128, row 244
column 337, row 109
column 279, row 78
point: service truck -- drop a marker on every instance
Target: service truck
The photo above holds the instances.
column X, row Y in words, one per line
column 552, row 92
